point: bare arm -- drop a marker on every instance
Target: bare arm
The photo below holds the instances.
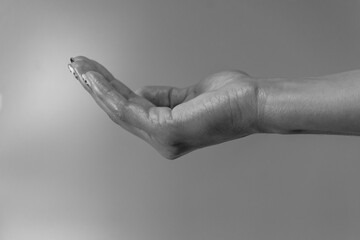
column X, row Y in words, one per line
column 320, row 105
column 224, row 106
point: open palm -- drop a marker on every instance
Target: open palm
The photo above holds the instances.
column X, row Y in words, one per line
column 174, row 120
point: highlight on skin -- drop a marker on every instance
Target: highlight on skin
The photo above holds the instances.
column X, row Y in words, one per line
column 175, row 121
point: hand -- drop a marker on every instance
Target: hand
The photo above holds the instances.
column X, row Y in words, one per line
column 174, row 120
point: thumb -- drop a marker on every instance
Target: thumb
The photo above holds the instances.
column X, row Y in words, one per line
column 163, row 96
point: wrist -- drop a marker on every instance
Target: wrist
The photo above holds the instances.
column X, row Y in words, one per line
column 279, row 105
column 263, row 90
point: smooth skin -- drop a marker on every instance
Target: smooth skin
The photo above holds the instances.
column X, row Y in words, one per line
column 225, row 106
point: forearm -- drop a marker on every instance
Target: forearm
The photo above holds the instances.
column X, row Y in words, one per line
column 320, row 105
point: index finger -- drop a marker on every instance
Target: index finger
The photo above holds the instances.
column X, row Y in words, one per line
column 132, row 113
column 83, row 64
column 98, row 67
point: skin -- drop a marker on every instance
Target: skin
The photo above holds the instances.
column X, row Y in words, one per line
column 225, row 106
column 314, row 105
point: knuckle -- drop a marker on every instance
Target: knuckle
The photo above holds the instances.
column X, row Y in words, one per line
column 230, row 74
column 237, row 72
column 240, row 73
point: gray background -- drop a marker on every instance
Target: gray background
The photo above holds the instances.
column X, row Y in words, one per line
column 67, row 172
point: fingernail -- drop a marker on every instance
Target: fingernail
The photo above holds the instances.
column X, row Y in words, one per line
column 72, row 70
column 86, row 80
column 72, row 60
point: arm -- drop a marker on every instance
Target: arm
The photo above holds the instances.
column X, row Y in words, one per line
column 320, row 105
column 225, row 106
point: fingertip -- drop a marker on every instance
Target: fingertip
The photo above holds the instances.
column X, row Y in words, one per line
column 79, row 58
column 72, row 70
column 82, row 67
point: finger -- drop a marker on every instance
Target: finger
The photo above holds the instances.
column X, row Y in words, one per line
column 125, row 111
column 138, row 132
column 79, row 67
column 83, row 82
column 164, row 96
column 98, row 67
column 84, row 64
column 118, row 85
column 78, row 58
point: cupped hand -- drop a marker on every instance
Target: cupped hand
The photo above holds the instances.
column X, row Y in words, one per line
column 174, row 120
